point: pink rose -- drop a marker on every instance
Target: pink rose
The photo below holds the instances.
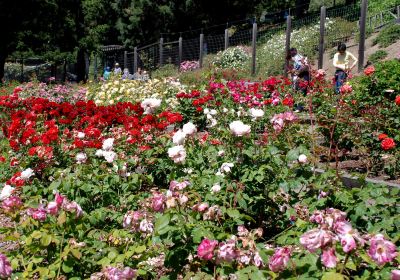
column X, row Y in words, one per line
column 206, row 248
column 113, row 273
column 329, row 258
column 5, row 267
column 52, row 208
column 11, row 204
column 227, row 252
column 315, row 239
column 280, row 259
column 381, row 250
column 157, row 202
column 395, row 275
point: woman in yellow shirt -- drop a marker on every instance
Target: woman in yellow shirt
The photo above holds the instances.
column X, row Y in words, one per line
column 341, row 61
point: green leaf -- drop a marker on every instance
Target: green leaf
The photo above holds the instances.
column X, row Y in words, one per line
column 140, row 249
column 62, row 218
column 112, row 254
column 45, row 240
column 233, row 213
column 66, row 268
column 161, row 223
column 332, row 276
column 76, row 253
column 36, row 234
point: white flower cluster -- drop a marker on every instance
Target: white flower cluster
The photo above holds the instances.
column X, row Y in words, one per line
column 107, row 152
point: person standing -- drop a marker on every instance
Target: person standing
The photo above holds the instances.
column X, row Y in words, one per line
column 117, row 69
column 107, row 73
column 341, row 61
column 299, row 69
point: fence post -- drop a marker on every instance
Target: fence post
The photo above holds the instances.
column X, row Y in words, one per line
column 398, row 11
column 22, row 69
column 226, row 39
column 161, row 51
column 361, row 47
column 253, row 53
column 321, row 37
column 95, row 68
column 287, row 45
column 381, row 16
column 201, row 50
column 125, row 59
column 135, row 60
column 180, row 51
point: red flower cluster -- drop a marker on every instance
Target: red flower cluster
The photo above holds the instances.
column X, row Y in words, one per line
column 369, row 70
column 387, row 143
column 397, row 100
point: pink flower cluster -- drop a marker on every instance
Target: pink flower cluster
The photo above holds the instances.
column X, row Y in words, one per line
column 280, row 120
column 11, row 204
column 5, row 267
column 138, row 221
column 334, row 227
column 115, row 273
column 189, row 65
column 230, row 251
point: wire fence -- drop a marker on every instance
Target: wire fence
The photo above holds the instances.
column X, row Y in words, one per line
column 175, row 48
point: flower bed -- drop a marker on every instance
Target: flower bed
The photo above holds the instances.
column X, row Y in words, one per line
column 221, row 187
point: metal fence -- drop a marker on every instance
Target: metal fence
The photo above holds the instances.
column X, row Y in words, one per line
column 173, row 52
column 195, row 45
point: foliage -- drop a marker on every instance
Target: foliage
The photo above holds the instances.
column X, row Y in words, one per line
column 233, row 58
column 166, row 71
column 377, row 56
column 388, row 36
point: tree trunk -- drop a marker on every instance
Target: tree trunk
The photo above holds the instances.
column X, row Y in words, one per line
column 81, row 66
column 64, row 77
column 2, row 64
column 301, row 8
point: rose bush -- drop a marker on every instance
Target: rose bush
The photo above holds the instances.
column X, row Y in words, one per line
column 222, row 186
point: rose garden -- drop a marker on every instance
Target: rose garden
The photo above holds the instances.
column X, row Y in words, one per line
column 216, row 180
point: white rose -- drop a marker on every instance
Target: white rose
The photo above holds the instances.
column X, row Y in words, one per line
column 239, row 129
column 99, row 153
column 26, row 174
column 81, row 135
column 226, row 167
column 150, row 105
column 81, row 158
column 109, row 156
column 213, row 112
column 302, row 158
column 221, row 153
column 108, row 144
column 6, row 191
column 189, row 128
column 206, row 111
column 256, row 113
column 216, row 188
column 179, row 137
column 177, row 153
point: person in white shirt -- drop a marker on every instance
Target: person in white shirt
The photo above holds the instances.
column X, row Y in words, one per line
column 341, row 61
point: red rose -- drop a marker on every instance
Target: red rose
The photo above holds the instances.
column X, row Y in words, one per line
column 388, row 144
column 382, row 136
column 397, row 100
column 369, row 70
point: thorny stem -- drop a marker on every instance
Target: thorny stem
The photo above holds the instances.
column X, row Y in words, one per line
column 344, row 264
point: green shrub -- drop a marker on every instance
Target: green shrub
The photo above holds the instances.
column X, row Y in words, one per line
column 168, row 70
column 388, row 36
column 377, row 56
column 233, row 58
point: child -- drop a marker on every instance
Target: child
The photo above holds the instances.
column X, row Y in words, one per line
column 341, row 61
